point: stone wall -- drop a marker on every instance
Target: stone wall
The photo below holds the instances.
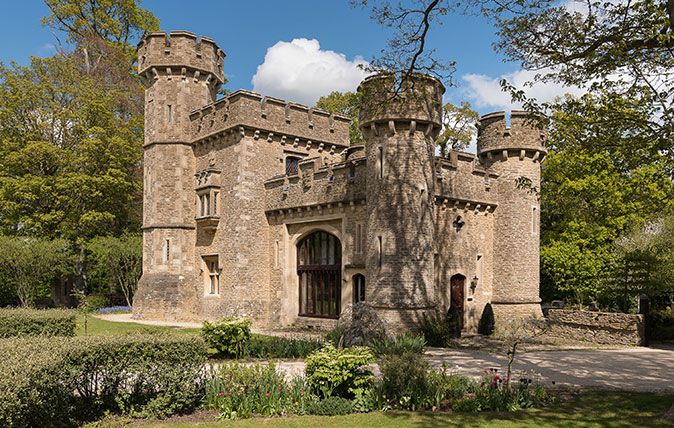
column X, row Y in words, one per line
column 597, row 327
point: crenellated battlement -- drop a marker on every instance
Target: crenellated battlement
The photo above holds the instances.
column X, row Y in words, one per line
column 180, row 51
column 274, row 117
column 524, row 133
column 418, row 100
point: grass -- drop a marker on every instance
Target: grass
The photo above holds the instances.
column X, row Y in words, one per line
column 591, row 409
column 97, row 326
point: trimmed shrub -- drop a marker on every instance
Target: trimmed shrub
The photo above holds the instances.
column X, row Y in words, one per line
column 398, row 345
column 340, row 372
column 64, row 381
column 94, row 302
column 36, row 322
column 453, row 320
column 260, row 346
column 331, row 406
column 240, row 391
column 229, row 336
column 660, row 325
column 486, row 325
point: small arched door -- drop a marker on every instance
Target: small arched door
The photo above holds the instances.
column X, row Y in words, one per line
column 319, row 270
column 457, row 286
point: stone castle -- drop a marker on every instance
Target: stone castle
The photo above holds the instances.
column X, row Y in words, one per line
column 257, row 207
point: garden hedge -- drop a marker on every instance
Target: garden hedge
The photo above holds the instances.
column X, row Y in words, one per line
column 65, row 381
column 36, row 322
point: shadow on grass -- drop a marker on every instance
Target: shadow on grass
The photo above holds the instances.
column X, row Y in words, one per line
column 591, row 409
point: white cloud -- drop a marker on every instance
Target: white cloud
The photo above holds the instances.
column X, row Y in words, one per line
column 485, row 91
column 300, row 71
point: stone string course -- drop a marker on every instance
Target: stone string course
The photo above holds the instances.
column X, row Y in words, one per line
column 597, row 327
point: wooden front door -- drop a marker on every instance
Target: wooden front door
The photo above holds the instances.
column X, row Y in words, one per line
column 457, row 283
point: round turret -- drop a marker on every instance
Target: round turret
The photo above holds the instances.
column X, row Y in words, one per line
column 181, row 50
column 524, row 133
column 514, row 152
column 399, row 128
column 419, row 98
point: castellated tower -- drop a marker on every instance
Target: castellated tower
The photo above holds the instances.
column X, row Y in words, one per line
column 514, row 153
column 400, row 132
column 181, row 73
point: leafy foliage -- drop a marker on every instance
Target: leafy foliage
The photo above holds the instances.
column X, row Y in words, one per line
column 330, row 406
column 347, row 104
column 36, row 322
column 119, row 260
column 408, row 382
column 458, row 127
column 28, row 265
column 340, row 372
column 260, row 346
column 240, row 391
column 61, row 382
column 399, row 345
column 229, row 335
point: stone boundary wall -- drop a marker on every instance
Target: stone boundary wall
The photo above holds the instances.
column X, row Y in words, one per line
column 597, row 327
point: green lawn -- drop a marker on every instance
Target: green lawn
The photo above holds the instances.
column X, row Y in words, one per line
column 96, row 326
column 592, row 409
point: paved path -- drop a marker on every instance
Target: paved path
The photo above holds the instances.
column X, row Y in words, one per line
column 635, row 369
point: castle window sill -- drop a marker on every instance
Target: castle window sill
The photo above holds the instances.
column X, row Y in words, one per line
column 208, row 222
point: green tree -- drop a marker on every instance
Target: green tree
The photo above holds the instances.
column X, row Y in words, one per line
column 30, row 265
column 346, row 104
column 601, row 179
column 458, row 127
column 119, row 260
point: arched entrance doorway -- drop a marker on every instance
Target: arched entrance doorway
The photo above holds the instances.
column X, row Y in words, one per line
column 457, row 285
column 319, row 270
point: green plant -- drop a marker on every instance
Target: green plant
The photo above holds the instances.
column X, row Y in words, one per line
column 453, row 320
column 335, row 336
column 229, row 336
column 341, row 372
column 487, row 322
column 36, row 322
column 405, row 343
column 96, row 301
column 239, row 391
column 404, row 380
column 330, row 406
column 260, row 346
column 435, row 332
column 493, row 393
column 64, row 381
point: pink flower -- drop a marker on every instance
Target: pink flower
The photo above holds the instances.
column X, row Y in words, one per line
column 221, row 393
column 266, row 393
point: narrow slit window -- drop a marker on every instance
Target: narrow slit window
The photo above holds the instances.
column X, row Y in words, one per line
column 478, row 269
column 167, row 250
column 207, row 205
column 215, row 202
column 534, row 221
column 381, row 162
column 169, row 113
column 380, row 250
column 277, row 249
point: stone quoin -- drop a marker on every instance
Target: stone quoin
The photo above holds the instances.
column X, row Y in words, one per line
column 258, row 207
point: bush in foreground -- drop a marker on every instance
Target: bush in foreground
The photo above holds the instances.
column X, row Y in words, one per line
column 239, row 391
column 340, row 372
column 36, row 322
column 63, row 381
column 260, row 346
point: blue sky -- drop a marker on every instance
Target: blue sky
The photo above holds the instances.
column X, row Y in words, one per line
column 301, row 70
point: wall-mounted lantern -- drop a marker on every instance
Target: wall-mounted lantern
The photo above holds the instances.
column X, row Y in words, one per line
column 473, row 284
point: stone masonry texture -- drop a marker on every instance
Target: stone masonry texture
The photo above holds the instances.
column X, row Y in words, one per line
column 232, row 186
